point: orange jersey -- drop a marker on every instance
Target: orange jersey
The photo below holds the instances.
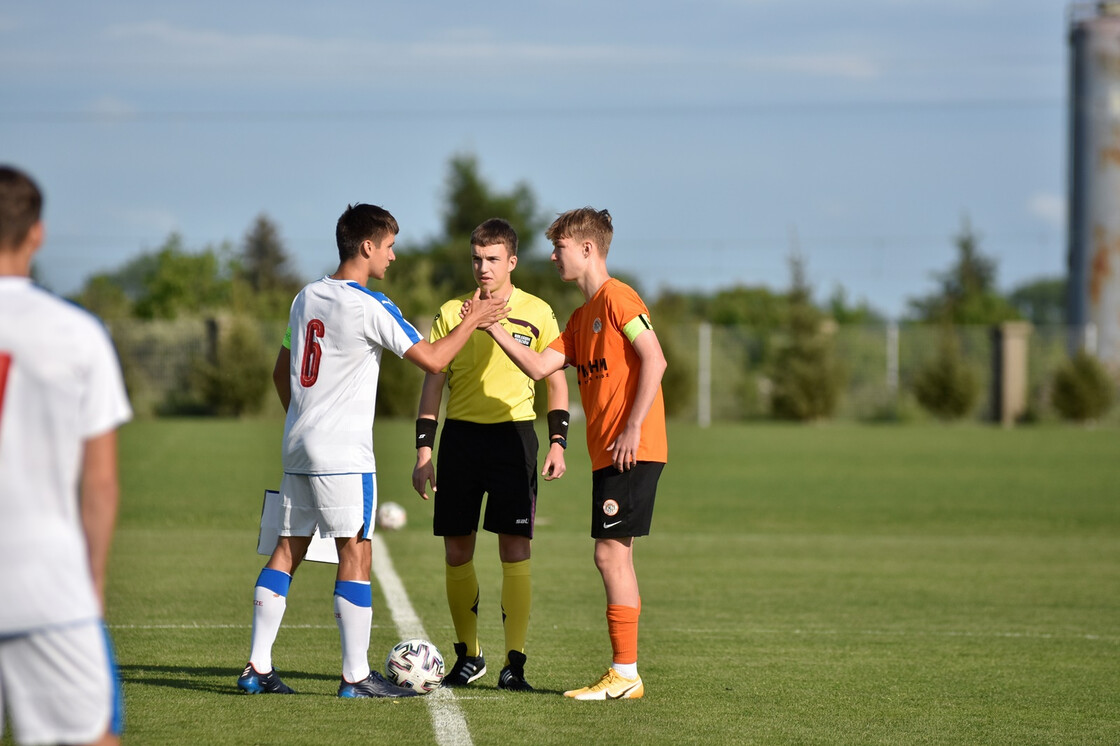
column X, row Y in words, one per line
column 597, row 341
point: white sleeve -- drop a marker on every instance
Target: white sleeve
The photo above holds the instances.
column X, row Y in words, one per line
column 105, row 403
column 387, row 326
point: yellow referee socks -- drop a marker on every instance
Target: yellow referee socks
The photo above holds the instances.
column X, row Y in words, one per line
column 462, row 599
column 517, row 598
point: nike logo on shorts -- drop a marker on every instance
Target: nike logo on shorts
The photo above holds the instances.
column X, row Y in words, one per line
column 611, row 525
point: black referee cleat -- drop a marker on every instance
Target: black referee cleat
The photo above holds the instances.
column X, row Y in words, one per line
column 512, row 676
column 467, row 668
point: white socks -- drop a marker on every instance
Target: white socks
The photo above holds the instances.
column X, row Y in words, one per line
column 268, row 612
column 629, row 670
column 353, row 610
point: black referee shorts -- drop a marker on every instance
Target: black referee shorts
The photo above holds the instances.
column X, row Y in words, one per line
column 498, row 460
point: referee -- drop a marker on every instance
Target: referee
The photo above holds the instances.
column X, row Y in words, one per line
column 488, row 446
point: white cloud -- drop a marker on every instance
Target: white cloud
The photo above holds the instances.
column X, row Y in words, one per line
column 149, row 221
column 1050, row 208
column 180, row 44
column 457, row 49
column 111, row 107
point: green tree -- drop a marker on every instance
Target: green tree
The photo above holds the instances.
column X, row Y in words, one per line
column 235, row 383
column 265, row 264
column 183, row 283
column 164, row 284
column 844, row 313
column 1082, row 389
column 264, row 281
column 426, row 274
column 103, row 296
column 469, row 200
column 806, row 375
column 946, row 387
column 1042, row 301
column 757, row 307
column 967, row 294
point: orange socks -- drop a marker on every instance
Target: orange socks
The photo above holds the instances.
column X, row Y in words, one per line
column 622, row 625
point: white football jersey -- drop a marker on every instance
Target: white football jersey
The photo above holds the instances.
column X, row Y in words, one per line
column 338, row 331
column 60, row 384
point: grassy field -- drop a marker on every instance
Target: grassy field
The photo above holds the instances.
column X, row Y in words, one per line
column 831, row 584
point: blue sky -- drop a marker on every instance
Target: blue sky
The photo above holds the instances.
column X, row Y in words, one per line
column 720, row 133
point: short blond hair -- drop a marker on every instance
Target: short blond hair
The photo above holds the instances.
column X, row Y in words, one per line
column 584, row 223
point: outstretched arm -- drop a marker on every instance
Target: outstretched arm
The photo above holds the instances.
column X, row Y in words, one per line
column 433, row 357
column 624, row 450
column 536, row 365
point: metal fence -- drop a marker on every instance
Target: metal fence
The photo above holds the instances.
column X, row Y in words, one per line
column 721, row 373
column 728, row 369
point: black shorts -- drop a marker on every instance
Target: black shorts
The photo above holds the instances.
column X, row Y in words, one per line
column 498, row 460
column 622, row 501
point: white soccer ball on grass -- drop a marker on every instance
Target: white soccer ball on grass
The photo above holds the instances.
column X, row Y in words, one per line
column 415, row 664
column 391, row 516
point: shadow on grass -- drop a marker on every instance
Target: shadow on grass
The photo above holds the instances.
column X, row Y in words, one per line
column 465, row 692
column 222, row 680
column 203, row 678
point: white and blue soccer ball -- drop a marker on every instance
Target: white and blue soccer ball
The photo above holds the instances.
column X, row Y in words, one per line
column 391, row 516
column 415, row 664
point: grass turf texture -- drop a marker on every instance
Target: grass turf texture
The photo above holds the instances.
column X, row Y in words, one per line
column 835, row 584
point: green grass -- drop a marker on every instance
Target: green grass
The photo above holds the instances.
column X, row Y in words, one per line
column 830, row 584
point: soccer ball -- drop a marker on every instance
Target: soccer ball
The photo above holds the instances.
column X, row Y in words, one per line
column 391, row 516
column 415, row 664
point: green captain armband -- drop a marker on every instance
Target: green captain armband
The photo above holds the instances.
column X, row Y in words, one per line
column 636, row 326
column 287, row 343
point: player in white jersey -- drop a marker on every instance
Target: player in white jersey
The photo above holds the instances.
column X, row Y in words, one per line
column 62, row 398
column 326, row 376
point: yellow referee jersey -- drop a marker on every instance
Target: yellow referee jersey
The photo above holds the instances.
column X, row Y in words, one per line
column 485, row 386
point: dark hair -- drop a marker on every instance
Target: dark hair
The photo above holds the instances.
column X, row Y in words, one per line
column 21, row 205
column 582, row 224
column 359, row 223
column 494, row 231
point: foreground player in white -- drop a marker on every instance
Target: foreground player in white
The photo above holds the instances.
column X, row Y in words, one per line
column 62, row 398
column 326, row 376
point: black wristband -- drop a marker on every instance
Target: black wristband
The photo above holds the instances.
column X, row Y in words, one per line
column 558, row 424
column 426, row 432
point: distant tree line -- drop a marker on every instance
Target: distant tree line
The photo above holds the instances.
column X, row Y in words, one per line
column 255, row 281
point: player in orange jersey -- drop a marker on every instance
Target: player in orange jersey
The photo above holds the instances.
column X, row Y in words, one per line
column 610, row 342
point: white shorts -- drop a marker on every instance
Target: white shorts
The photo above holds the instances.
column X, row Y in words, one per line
column 60, row 685
column 341, row 505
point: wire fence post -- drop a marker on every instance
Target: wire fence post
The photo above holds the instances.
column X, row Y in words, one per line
column 892, row 357
column 704, row 376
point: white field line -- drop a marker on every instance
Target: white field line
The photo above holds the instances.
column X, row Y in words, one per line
column 447, row 719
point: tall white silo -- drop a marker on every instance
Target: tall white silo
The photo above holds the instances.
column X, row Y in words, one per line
column 1094, row 178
